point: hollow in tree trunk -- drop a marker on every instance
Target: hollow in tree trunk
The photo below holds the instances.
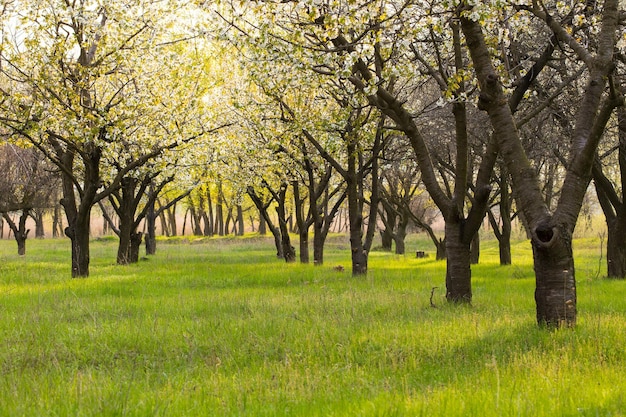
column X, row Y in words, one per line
column 555, row 293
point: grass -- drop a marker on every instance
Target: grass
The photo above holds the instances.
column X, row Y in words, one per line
column 221, row 327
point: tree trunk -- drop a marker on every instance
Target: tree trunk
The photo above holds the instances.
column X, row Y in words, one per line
column 195, row 218
column 126, row 214
column 57, row 222
column 151, row 227
column 289, row 252
column 386, row 238
column 318, row 245
column 78, row 232
column 219, row 212
column 37, row 216
column 615, row 248
column 504, row 247
column 185, row 223
column 209, row 225
column 171, row 220
column 262, row 226
column 302, row 223
column 458, row 271
column 475, row 249
column 135, row 244
column 240, row 224
column 400, row 235
column 440, row 246
column 555, row 293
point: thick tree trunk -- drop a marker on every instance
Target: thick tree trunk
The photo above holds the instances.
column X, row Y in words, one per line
column 262, row 226
column 400, row 235
column 318, row 244
column 37, row 216
column 386, row 238
column 135, row 244
column 400, row 245
column 304, row 246
column 616, row 249
column 504, row 248
column 555, row 293
column 125, row 209
column 151, row 226
column 289, row 252
column 123, row 249
column 355, row 215
column 78, row 232
column 440, row 246
column 458, row 271
column 21, row 244
column 302, row 223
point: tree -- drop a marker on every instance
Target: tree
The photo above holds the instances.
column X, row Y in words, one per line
column 555, row 293
column 27, row 182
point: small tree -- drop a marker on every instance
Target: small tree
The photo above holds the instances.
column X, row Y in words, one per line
column 27, row 182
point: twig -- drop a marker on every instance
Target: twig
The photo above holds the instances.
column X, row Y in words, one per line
column 601, row 236
column 432, row 293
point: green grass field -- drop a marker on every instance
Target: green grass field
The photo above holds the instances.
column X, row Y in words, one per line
column 223, row 328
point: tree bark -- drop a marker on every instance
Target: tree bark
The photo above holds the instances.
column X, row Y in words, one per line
column 240, row 224
column 555, row 293
column 126, row 212
column 458, row 271
column 78, row 233
column 616, row 250
column 151, row 224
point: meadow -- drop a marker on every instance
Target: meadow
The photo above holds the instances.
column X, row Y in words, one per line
column 220, row 327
